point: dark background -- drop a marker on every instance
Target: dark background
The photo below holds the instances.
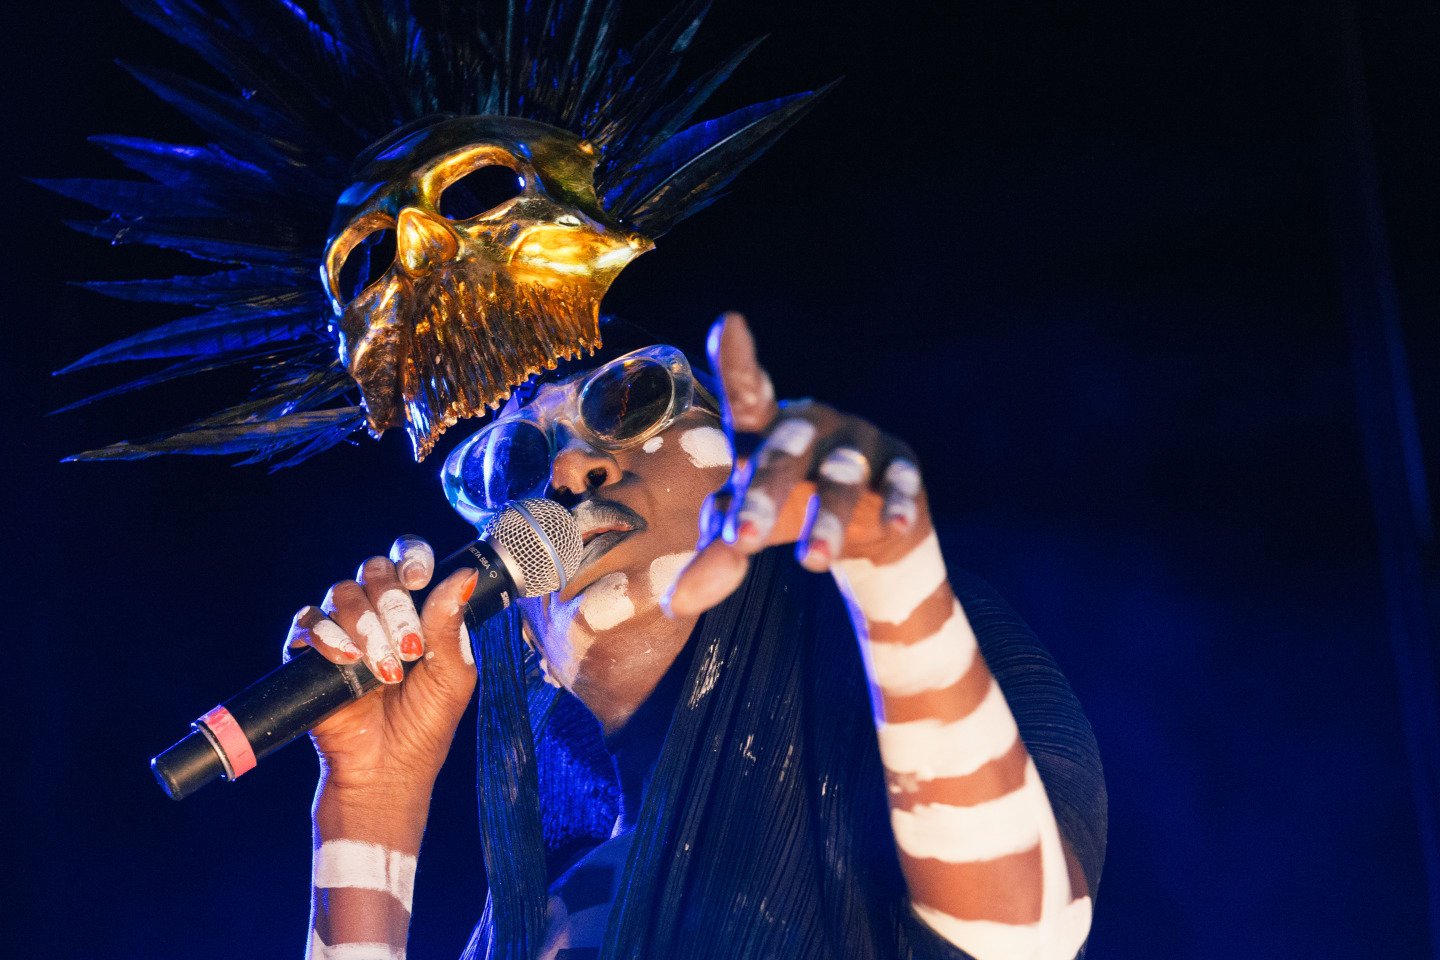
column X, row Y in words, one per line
column 1082, row 256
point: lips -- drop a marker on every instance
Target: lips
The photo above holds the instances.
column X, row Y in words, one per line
column 603, row 524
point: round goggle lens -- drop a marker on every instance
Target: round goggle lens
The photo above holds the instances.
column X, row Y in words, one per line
column 627, row 400
column 510, row 461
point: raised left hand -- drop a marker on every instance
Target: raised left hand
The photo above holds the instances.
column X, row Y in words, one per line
column 833, row 484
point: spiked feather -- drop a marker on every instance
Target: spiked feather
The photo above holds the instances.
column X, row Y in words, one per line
column 312, row 84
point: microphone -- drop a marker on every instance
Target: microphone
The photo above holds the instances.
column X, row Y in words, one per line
column 529, row 549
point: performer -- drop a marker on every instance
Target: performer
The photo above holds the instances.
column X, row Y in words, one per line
column 750, row 820
column 694, row 749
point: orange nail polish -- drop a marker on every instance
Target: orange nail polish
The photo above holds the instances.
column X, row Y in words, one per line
column 469, row 587
column 410, row 645
column 749, row 530
column 818, row 549
column 390, row 670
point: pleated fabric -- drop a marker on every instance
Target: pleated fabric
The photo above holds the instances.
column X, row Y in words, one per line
column 765, row 830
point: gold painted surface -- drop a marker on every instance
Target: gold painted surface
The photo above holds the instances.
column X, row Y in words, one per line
column 470, row 309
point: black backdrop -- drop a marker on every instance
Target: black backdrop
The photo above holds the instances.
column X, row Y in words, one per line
column 1081, row 256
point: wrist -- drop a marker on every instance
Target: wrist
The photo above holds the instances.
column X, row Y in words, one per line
column 390, row 813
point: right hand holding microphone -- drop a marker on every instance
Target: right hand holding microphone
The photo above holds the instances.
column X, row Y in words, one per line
column 397, row 736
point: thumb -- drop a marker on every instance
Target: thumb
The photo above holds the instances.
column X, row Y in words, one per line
column 443, row 620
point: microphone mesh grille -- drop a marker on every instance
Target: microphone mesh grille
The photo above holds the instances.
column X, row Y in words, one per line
column 537, row 564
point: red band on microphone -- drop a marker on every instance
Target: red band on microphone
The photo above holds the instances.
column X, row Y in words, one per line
column 231, row 739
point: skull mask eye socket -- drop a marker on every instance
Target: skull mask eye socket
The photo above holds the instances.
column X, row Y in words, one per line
column 366, row 262
column 479, row 191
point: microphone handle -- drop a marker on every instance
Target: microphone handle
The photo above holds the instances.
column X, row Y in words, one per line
column 290, row 700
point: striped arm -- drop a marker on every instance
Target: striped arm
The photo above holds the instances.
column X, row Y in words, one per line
column 986, row 866
column 361, row 889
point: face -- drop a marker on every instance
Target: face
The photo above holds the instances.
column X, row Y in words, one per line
column 604, row 637
column 473, row 264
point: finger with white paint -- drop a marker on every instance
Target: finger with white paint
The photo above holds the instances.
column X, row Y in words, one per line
column 448, row 654
column 348, row 605
column 748, row 396
column 393, row 605
column 414, row 559
column 780, row 462
column 842, row 476
column 900, row 489
column 311, row 628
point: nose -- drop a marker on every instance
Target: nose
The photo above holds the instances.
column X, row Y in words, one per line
column 423, row 242
column 579, row 468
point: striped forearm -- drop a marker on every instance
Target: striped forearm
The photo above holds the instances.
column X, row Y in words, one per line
column 362, row 879
column 979, row 847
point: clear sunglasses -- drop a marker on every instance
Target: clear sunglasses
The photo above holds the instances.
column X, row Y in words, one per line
column 614, row 407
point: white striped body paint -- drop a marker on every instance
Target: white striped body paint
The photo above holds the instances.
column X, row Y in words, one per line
column 653, row 444
column 355, row 864
column 933, row 663
column 319, row 950
column 979, row 845
column 930, row 749
column 706, row 447
column 960, row 834
column 890, row 593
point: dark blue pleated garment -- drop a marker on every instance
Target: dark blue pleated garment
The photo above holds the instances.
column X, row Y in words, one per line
column 765, row 831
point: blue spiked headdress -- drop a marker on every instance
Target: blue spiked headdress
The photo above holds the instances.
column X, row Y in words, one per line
column 313, row 89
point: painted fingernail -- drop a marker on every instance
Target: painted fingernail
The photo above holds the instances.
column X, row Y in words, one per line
column 755, row 518
column 410, row 645
column 351, row 650
column 390, row 670
column 826, row 535
column 469, row 587
column 900, row 512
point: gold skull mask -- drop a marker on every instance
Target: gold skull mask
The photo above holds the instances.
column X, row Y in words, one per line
column 468, row 308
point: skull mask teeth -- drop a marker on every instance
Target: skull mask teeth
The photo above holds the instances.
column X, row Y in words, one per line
column 472, row 304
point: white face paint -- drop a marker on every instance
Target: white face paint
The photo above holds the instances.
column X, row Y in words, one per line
column 706, row 447
column 564, row 641
column 653, row 444
column 664, row 570
column 606, row 602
